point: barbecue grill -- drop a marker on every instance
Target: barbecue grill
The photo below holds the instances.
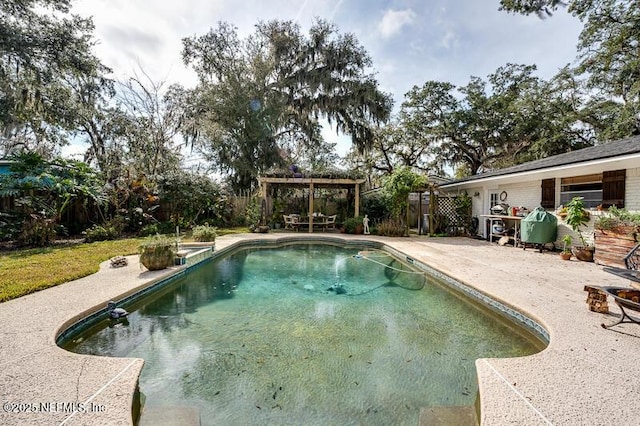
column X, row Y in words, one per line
column 538, row 228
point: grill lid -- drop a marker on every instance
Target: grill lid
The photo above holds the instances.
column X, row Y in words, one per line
column 539, row 227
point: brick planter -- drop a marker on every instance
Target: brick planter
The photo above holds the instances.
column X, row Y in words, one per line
column 613, row 245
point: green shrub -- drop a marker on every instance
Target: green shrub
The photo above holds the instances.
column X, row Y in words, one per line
column 252, row 214
column 351, row 224
column 205, row 233
column 150, row 229
column 377, row 206
column 391, row 228
column 607, row 223
column 101, row 233
column 617, row 218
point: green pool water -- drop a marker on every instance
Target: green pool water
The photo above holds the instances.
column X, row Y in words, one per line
column 263, row 337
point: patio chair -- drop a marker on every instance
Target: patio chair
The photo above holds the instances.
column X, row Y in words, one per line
column 295, row 221
column 288, row 221
column 330, row 222
column 626, row 297
column 632, row 259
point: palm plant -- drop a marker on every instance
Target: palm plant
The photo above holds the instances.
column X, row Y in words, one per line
column 577, row 217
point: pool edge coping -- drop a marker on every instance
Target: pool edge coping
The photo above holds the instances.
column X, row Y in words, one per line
column 508, row 311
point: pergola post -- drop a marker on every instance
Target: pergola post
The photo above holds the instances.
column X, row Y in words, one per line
column 357, row 206
column 432, row 210
column 420, row 212
column 265, row 189
column 311, row 191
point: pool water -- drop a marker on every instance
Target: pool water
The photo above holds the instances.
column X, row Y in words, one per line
column 306, row 334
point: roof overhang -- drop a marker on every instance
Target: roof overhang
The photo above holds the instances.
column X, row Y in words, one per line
column 583, row 168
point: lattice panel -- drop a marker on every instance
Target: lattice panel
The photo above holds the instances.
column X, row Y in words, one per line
column 450, row 220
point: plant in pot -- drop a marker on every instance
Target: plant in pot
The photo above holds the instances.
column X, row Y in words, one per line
column 616, row 231
column 565, row 254
column 577, row 217
column 157, row 252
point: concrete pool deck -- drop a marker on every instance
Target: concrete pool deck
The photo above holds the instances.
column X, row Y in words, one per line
column 586, row 376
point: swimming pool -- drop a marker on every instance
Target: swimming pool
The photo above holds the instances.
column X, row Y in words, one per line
column 306, row 334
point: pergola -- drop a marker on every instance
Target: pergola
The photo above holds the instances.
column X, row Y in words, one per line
column 312, row 183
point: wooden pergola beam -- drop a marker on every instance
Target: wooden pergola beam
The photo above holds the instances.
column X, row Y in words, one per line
column 291, row 181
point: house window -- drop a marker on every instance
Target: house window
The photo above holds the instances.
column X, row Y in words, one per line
column 588, row 187
column 604, row 189
column 494, row 199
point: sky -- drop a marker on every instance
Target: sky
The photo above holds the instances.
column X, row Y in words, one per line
column 410, row 41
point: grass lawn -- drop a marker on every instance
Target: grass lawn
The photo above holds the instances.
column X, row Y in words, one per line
column 27, row 271
column 30, row 270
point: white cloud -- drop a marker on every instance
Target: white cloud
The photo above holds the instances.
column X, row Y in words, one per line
column 393, row 21
column 450, row 39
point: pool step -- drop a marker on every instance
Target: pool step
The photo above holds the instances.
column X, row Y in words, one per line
column 170, row 416
column 446, row 416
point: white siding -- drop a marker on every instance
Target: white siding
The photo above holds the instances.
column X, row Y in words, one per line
column 632, row 190
column 477, row 201
column 526, row 194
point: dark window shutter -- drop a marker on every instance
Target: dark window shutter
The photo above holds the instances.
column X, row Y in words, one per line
column 548, row 199
column 613, row 188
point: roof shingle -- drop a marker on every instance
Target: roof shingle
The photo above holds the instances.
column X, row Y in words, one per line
column 617, row 148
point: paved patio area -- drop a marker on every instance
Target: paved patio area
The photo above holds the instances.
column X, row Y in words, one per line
column 587, row 375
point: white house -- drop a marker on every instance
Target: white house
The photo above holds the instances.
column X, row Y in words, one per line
column 605, row 175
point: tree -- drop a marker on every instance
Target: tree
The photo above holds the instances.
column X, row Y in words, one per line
column 553, row 115
column 395, row 144
column 43, row 51
column 399, row 185
column 542, row 8
column 410, row 138
column 608, row 60
column 204, row 202
column 266, row 93
column 478, row 128
column 154, row 121
column 511, row 117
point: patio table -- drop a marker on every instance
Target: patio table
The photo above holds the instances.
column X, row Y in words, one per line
column 302, row 221
column 492, row 219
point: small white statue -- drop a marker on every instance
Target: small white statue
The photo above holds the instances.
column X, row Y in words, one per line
column 365, row 224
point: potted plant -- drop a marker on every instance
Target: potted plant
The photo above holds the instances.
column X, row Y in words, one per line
column 565, row 254
column 616, row 232
column 561, row 212
column 157, row 252
column 577, row 217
